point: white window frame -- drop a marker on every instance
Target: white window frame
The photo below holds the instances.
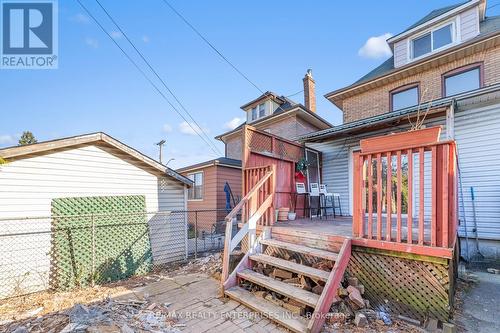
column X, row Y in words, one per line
column 194, row 184
column 258, row 110
column 252, row 118
column 454, row 40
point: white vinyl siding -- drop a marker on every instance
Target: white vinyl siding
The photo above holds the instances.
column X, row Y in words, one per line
column 469, row 24
column 27, row 187
column 477, row 132
column 401, row 53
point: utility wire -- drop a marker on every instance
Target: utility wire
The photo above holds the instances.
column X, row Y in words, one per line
column 142, row 72
column 212, row 46
column 220, row 53
column 157, row 75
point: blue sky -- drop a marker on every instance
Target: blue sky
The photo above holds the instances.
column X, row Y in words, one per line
column 95, row 88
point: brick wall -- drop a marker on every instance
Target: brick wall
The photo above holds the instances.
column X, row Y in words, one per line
column 376, row 101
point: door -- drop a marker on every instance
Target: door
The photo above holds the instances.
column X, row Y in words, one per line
column 313, row 176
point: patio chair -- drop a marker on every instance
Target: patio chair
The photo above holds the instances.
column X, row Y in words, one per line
column 334, row 198
column 327, row 197
column 300, row 189
column 314, row 193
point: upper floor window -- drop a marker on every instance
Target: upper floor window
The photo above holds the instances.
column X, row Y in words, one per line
column 404, row 97
column 254, row 113
column 432, row 40
column 195, row 192
column 461, row 80
column 262, row 110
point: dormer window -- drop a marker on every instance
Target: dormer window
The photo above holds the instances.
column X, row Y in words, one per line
column 262, row 110
column 432, row 40
column 254, row 113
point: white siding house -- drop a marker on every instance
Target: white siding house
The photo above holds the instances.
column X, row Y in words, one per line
column 92, row 165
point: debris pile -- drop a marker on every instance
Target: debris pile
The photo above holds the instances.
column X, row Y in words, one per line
column 349, row 306
column 210, row 265
column 107, row 316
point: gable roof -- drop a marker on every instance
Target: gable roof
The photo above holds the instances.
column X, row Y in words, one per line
column 433, row 14
column 287, row 105
column 221, row 161
column 45, row 147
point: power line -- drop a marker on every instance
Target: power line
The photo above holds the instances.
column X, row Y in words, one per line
column 298, row 92
column 219, row 52
column 143, row 73
column 212, row 46
column 156, row 74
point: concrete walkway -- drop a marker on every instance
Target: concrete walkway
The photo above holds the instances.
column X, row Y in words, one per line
column 194, row 301
column 479, row 312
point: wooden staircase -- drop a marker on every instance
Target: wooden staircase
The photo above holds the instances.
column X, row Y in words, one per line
column 269, row 254
column 284, row 257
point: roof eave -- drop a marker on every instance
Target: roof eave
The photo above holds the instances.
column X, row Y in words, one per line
column 439, row 18
column 339, row 92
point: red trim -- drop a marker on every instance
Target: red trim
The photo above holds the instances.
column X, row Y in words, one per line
column 404, row 88
column 461, row 70
column 440, row 252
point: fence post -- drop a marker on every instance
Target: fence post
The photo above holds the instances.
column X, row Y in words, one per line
column 93, row 249
column 196, row 234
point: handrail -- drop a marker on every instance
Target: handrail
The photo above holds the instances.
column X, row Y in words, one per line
column 260, row 198
column 246, row 198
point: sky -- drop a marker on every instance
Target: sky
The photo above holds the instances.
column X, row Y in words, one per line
column 95, row 88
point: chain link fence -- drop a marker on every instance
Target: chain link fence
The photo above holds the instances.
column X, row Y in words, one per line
column 65, row 252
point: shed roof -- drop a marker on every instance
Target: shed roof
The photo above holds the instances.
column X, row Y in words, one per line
column 46, row 147
column 221, row 161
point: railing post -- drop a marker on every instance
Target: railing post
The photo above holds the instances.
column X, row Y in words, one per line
column 195, row 234
column 93, row 249
column 227, row 249
column 356, row 196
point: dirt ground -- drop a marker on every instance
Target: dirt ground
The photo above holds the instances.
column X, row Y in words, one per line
column 186, row 298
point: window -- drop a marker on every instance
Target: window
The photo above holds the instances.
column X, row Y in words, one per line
column 432, row 41
column 254, row 113
column 196, row 191
column 262, row 110
column 462, row 80
column 404, row 97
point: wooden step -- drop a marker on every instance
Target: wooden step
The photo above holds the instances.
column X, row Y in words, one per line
column 301, row 249
column 274, row 312
column 314, row 273
column 285, row 289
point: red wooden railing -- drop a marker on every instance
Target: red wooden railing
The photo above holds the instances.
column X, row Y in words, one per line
column 423, row 204
column 252, row 177
column 256, row 207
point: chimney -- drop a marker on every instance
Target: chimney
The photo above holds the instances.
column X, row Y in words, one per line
column 309, row 94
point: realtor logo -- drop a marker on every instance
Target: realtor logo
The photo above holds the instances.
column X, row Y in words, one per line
column 29, row 34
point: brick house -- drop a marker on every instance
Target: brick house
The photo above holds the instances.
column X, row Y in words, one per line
column 446, row 66
column 269, row 112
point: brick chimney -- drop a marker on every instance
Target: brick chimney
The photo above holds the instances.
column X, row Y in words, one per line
column 309, row 93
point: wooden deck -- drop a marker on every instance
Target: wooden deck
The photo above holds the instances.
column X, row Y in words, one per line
column 339, row 226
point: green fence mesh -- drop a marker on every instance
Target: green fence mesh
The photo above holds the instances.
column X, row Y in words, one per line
column 98, row 239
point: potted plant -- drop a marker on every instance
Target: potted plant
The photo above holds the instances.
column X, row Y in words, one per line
column 292, row 215
column 283, row 213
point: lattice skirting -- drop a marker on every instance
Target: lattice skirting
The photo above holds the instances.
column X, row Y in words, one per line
column 413, row 288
